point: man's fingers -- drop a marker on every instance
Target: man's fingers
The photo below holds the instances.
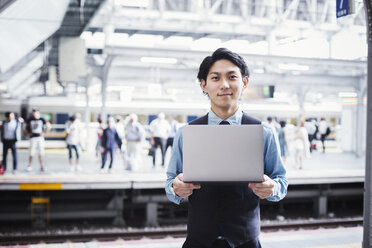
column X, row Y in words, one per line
column 185, row 191
column 261, row 185
column 192, row 186
column 188, row 186
column 258, row 191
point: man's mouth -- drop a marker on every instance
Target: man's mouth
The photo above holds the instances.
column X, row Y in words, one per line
column 224, row 94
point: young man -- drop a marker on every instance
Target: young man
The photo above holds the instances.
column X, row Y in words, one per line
column 160, row 130
column 110, row 142
column 225, row 216
column 134, row 135
column 35, row 128
column 10, row 133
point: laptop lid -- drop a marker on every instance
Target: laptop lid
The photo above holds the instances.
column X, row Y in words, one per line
column 223, row 153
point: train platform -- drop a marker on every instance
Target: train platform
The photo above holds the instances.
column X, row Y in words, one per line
column 341, row 237
column 333, row 166
column 326, row 179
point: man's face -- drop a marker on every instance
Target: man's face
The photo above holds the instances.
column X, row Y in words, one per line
column 11, row 116
column 36, row 114
column 224, row 85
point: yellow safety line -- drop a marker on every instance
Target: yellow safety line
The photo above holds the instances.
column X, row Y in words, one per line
column 40, row 186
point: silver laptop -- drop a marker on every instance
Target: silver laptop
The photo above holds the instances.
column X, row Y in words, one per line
column 223, row 153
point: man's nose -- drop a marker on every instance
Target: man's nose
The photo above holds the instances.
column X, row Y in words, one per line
column 225, row 84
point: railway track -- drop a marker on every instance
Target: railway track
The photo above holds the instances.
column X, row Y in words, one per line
column 158, row 233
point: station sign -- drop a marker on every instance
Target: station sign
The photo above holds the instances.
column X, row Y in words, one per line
column 344, row 8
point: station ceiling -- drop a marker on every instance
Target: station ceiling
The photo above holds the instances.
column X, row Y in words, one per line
column 296, row 45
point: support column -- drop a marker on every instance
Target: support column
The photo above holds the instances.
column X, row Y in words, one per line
column 87, row 112
column 105, row 70
column 271, row 43
column 359, row 120
column 152, row 214
column 301, row 100
column 322, row 206
column 367, row 229
column 117, row 203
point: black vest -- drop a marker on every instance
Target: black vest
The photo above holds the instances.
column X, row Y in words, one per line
column 229, row 211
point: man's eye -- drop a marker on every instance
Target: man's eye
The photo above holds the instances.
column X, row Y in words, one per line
column 233, row 77
column 215, row 78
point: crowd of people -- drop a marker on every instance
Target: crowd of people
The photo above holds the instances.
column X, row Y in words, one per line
column 129, row 138
column 302, row 141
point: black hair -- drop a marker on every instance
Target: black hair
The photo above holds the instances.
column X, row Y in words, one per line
column 222, row 53
column 269, row 118
column 7, row 114
column 72, row 118
column 282, row 123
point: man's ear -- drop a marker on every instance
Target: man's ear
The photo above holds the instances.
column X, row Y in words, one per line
column 245, row 82
column 203, row 86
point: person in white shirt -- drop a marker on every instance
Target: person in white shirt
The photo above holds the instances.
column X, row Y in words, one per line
column 311, row 130
column 324, row 131
column 301, row 145
column 73, row 141
column 160, row 130
column 134, row 135
column 35, row 128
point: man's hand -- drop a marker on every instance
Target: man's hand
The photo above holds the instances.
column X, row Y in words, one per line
column 183, row 189
column 263, row 189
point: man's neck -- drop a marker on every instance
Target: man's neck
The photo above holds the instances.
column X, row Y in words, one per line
column 224, row 114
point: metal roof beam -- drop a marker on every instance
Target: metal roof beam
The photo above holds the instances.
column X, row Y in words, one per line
column 187, row 74
column 250, row 58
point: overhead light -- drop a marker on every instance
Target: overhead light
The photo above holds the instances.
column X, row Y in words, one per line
column 5, row 95
column 293, row 67
column 3, row 86
column 133, row 3
column 347, row 94
column 258, row 70
column 159, row 60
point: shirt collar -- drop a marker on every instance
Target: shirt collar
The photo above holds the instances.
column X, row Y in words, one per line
column 235, row 119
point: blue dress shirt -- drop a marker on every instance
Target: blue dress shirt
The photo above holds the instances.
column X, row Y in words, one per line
column 274, row 167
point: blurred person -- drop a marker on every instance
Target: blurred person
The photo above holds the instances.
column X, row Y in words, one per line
column 73, row 141
column 10, row 134
column 160, row 130
column 119, row 126
column 274, row 127
column 283, row 141
column 324, row 131
column 173, row 129
column 225, row 215
column 99, row 138
column 311, row 130
column 315, row 136
column 272, row 122
column 83, row 132
column 77, row 116
column 110, row 142
column 35, row 128
column 301, row 145
column 134, row 135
